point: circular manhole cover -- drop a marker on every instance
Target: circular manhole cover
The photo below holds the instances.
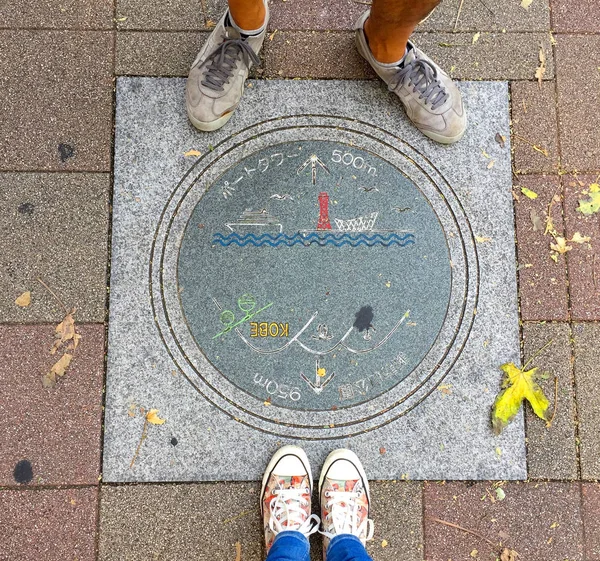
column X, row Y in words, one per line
column 314, row 288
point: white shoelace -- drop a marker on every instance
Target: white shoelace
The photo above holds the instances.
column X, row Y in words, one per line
column 345, row 519
column 287, row 512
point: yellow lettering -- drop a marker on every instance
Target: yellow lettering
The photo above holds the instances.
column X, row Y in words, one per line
column 284, row 329
column 253, row 329
column 273, row 330
column 263, row 329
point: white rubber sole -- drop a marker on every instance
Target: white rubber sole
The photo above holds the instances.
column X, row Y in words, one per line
column 213, row 125
column 344, row 454
column 443, row 139
column 284, row 451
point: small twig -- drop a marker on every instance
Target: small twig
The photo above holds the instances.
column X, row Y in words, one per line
column 53, row 294
column 549, row 422
column 458, row 13
column 487, row 8
column 538, row 353
column 494, row 545
column 543, row 151
column 139, row 446
column 237, row 516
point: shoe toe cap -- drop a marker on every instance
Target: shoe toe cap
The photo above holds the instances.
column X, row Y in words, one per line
column 343, row 470
column 290, row 465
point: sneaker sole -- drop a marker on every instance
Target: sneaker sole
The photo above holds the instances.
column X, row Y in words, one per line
column 344, row 454
column 213, row 125
column 285, row 451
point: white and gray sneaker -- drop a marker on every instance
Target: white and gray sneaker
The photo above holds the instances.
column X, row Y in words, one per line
column 430, row 98
column 345, row 498
column 215, row 84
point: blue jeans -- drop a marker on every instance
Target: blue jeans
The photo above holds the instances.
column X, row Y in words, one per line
column 293, row 546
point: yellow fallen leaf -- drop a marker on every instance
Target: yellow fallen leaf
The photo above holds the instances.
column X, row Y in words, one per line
column 152, row 417
column 483, row 239
column 541, row 69
column 384, row 543
column 24, row 300
column 529, row 193
column 58, row 369
column 578, row 238
column 190, row 153
column 491, row 164
column 518, row 384
column 526, row 3
column 475, row 37
column 591, row 205
column 508, row 555
column 65, row 331
column 474, row 553
column 561, row 245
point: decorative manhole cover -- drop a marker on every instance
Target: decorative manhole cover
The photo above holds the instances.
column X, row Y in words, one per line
column 308, row 287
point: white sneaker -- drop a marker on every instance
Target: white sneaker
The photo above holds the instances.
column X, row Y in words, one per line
column 286, row 495
column 345, row 498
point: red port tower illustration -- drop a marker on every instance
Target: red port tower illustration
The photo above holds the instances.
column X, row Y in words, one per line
column 323, row 223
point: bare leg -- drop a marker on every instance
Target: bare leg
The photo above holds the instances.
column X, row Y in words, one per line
column 391, row 23
column 248, row 14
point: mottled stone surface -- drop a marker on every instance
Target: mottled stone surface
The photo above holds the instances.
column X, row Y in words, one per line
column 56, row 430
column 585, row 18
column 57, row 93
column 551, row 451
column 48, row 525
column 582, row 261
column 587, row 376
column 535, row 129
column 541, row 522
column 542, row 281
column 578, row 98
column 591, row 519
column 92, row 14
column 55, row 228
column 170, row 15
column 152, row 136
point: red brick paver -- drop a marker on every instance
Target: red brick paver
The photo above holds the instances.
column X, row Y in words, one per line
column 57, row 431
column 48, row 525
column 591, row 520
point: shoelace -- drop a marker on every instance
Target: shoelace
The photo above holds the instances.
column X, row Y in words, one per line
column 223, row 61
column 287, row 512
column 424, row 78
column 344, row 516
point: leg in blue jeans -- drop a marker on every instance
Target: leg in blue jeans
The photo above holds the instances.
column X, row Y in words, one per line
column 294, row 546
column 346, row 547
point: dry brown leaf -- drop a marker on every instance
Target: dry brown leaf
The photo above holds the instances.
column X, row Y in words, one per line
column 541, row 69
column 65, row 331
column 578, row 238
column 191, row 153
column 538, row 225
column 153, row 418
column 238, row 551
column 561, row 245
column 384, row 543
column 58, row 369
column 483, row 239
column 508, row 555
column 24, row 300
column 500, row 139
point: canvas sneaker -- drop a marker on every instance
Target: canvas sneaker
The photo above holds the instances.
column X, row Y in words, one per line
column 286, row 495
column 432, row 101
column 215, row 84
column 345, row 498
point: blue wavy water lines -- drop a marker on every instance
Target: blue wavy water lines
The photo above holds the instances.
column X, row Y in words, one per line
column 316, row 238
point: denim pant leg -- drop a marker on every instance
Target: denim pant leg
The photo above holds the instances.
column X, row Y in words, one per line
column 289, row 546
column 346, row 547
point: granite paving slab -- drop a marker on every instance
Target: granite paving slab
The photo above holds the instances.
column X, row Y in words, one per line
column 55, row 227
column 204, row 521
column 535, row 129
column 587, row 374
column 584, row 19
column 57, row 91
column 591, row 519
column 542, row 522
column 543, row 287
column 578, row 98
column 495, row 56
column 50, row 436
column 551, row 451
column 49, row 524
column 178, row 291
column 582, row 261
column 92, row 14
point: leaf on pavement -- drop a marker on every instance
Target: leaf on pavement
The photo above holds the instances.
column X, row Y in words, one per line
column 153, row 418
column 24, row 300
column 538, row 225
column 541, row 69
column 58, row 369
column 592, row 204
column 476, row 37
column 65, row 332
column 526, row 3
column 578, row 238
column 518, row 385
column 560, row 246
column 529, row 193
column 508, row 555
column 190, row 153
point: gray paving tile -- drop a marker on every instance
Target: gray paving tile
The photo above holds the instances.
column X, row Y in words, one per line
column 578, row 101
column 154, row 53
column 54, row 227
column 204, row 522
column 57, row 91
column 534, row 126
column 587, row 379
column 168, row 15
column 551, row 452
column 495, row 56
column 92, row 14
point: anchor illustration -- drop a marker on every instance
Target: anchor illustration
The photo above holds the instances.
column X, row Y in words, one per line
column 321, row 378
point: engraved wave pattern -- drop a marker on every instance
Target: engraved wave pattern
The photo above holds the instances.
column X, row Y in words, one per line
column 314, row 238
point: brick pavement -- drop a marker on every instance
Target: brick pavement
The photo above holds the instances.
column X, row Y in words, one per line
column 57, row 71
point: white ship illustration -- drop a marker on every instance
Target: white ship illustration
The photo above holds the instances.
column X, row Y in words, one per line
column 359, row 224
column 255, row 221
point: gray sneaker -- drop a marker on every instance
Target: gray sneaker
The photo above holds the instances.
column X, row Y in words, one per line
column 432, row 101
column 216, row 81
